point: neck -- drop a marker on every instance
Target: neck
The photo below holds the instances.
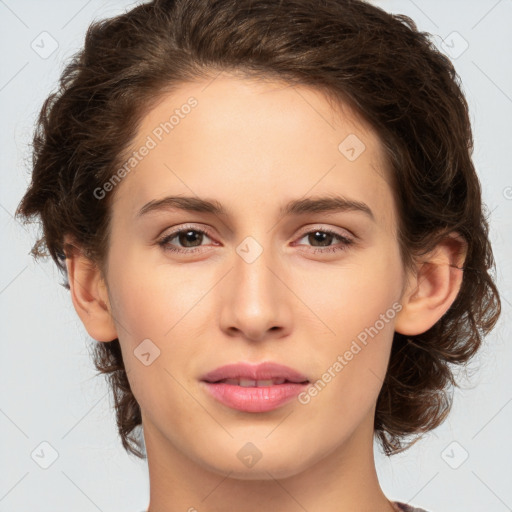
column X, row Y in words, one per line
column 344, row 480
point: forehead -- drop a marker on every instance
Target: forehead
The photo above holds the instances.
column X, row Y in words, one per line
column 255, row 145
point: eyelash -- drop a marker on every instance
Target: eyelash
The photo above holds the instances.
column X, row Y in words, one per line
column 164, row 242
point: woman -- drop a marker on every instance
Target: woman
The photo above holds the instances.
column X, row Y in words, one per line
column 269, row 219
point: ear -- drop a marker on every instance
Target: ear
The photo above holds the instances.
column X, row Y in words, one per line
column 89, row 294
column 433, row 288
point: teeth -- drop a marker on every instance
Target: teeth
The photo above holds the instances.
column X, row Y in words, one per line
column 249, row 383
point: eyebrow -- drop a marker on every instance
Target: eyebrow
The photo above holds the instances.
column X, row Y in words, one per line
column 328, row 204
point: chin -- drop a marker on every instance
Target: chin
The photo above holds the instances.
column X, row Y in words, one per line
column 268, row 467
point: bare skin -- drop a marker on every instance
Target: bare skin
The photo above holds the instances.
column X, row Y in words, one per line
column 253, row 147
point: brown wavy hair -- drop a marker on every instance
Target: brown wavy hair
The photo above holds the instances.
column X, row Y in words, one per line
column 379, row 64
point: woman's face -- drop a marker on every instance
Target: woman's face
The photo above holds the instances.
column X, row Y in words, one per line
column 313, row 288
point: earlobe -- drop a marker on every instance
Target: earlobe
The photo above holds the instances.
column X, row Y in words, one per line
column 89, row 295
column 434, row 288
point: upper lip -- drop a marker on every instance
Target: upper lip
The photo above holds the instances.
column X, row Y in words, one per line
column 262, row 371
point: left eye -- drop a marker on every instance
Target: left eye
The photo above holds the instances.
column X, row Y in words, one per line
column 191, row 239
column 323, row 236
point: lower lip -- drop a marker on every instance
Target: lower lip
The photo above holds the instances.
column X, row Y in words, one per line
column 254, row 399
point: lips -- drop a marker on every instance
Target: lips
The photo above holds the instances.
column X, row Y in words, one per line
column 254, row 388
column 250, row 383
column 259, row 375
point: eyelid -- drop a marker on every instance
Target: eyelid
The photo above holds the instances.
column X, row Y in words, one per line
column 328, row 229
column 163, row 238
column 342, row 245
column 174, row 230
column 304, row 231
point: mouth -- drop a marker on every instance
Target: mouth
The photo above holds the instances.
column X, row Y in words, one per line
column 256, row 388
column 251, row 383
column 248, row 374
column 254, row 395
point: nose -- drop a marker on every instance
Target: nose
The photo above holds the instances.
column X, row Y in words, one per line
column 256, row 300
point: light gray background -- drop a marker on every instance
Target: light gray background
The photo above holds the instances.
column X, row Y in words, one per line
column 49, row 392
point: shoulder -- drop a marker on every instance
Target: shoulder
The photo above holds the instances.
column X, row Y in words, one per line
column 402, row 507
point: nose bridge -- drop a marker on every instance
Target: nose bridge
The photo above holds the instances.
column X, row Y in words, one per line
column 253, row 278
column 255, row 302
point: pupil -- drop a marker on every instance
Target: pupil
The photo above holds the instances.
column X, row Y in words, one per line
column 188, row 236
column 321, row 235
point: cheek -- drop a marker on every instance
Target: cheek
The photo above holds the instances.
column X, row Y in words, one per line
column 352, row 371
column 154, row 307
column 353, row 295
column 359, row 307
column 148, row 300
